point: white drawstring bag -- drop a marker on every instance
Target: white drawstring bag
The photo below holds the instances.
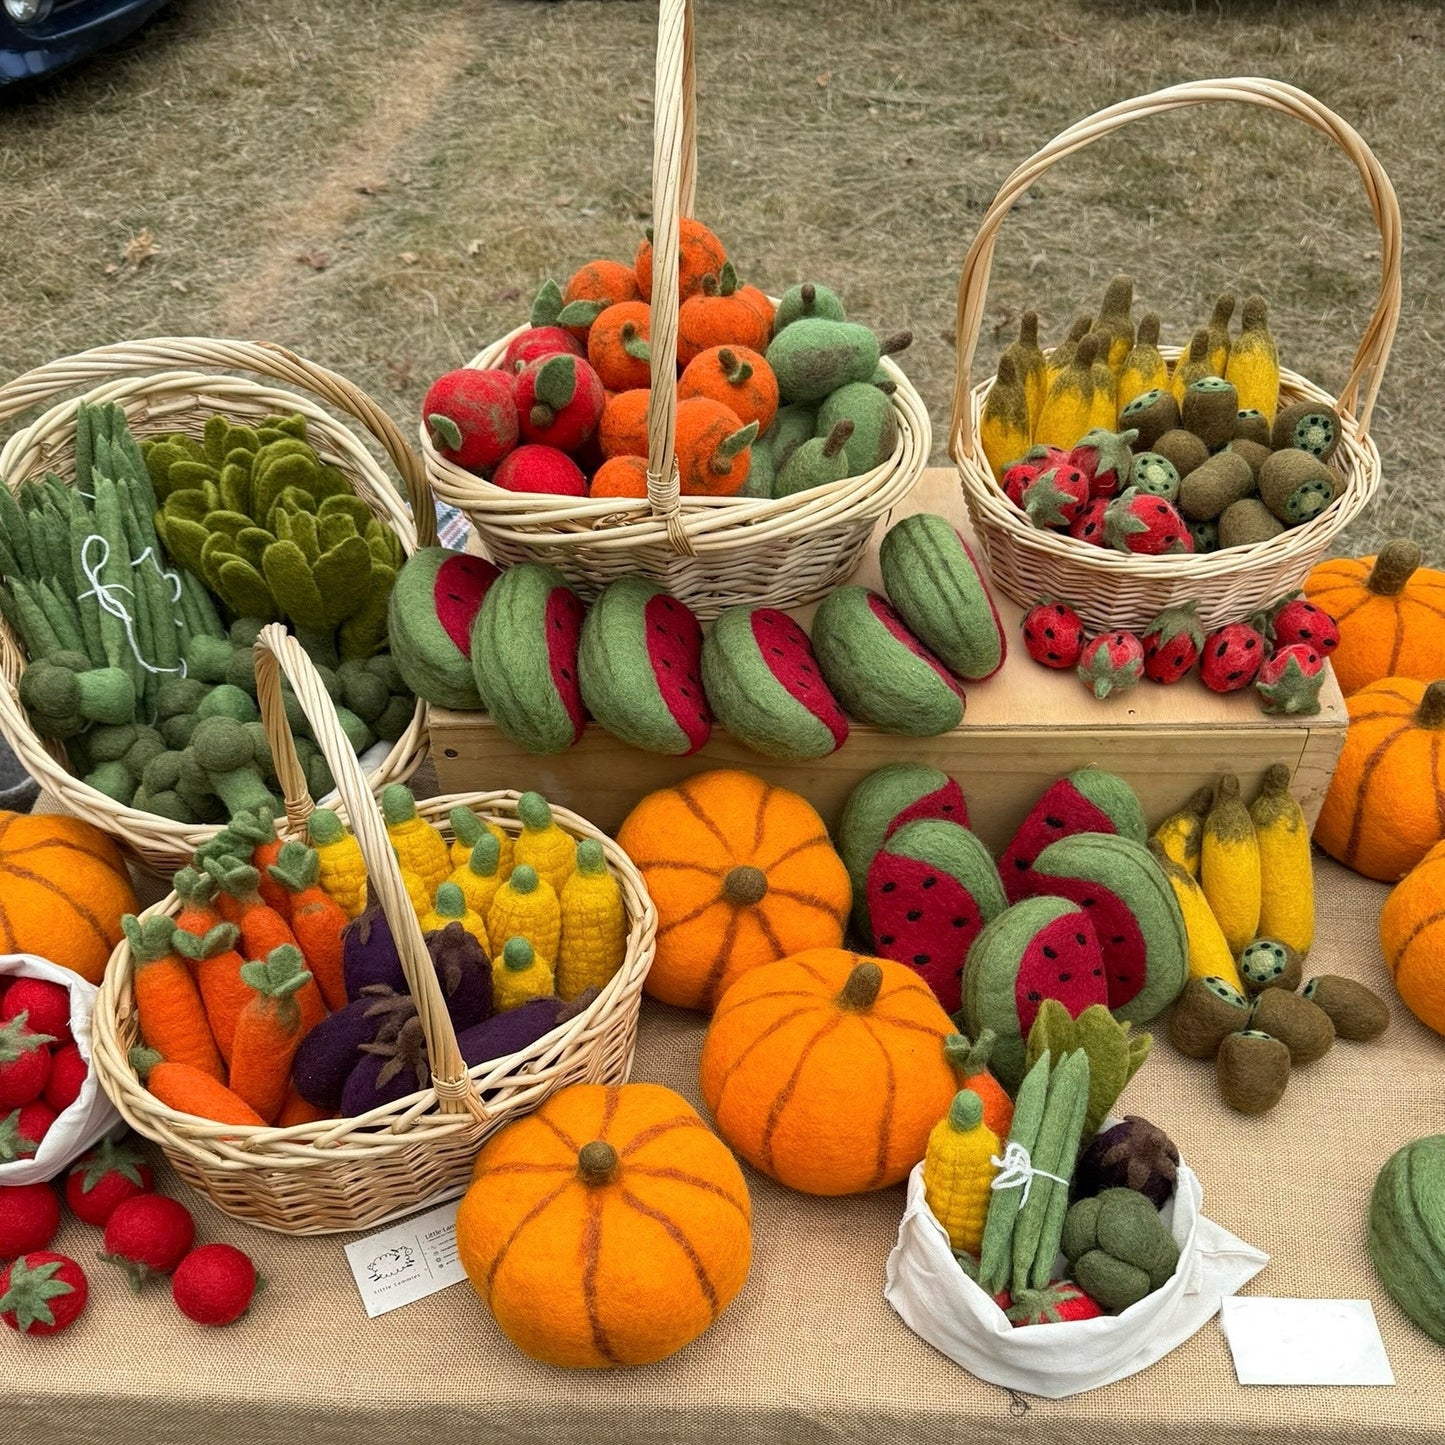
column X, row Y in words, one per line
column 92, row 1114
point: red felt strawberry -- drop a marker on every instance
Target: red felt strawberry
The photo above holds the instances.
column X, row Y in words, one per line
column 1053, row 634
column 1232, row 657
column 471, row 416
column 1172, row 643
column 1088, row 526
column 559, row 402
column 1058, row 1302
column 22, row 1129
column 1143, row 523
column 46, row 1003
column 68, row 1073
column 29, row 1217
column 1112, row 662
column 42, row 1293
column 150, row 1234
column 1105, row 459
column 104, row 1179
column 1017, row 478
column 1290, row 680
column 537, row 342
column 540, row 469
column 214, row 1285
column 24, row 1063
column 1296, row 620
column 1056, row 496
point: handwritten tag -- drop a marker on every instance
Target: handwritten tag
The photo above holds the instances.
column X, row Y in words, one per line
column 1305, row 1342
column 405, row 1262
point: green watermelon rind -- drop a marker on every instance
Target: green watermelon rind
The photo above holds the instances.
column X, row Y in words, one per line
column 1115, row 799
column 1407, row 1255
column 957, row 851
column 413, row 597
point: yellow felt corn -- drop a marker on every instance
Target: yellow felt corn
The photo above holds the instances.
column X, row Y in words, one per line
column 480, row 876
column 958, row 1171
column 594, row 924
column 1191, row 367
column 1181, row 833
column 450, row 906
column 519, row 973
column 1218, row 328
column 1061, row 358
column 342, row 873
column 1253, row 366
column 419, row 846
column 1286, row 872
column 543, row 845
column 526, row 906
column 1209, row 955
column 1070, row 402
column 1004, row 425
column 420, row 895
column 1144, row 368
column 467, row 830
column 1229, row 866
column 1029, row 363
column 1117, row 322
column 1104, row 408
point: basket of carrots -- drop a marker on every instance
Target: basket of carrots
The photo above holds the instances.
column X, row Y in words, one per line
column 319, row 1026
column 1130, row 582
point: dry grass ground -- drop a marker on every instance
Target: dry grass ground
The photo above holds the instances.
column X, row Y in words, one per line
column 383, row 183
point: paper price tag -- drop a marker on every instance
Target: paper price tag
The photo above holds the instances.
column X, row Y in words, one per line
column 405, row 1262
column 1305, row 1342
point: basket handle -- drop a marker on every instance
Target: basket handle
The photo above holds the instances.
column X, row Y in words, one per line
column 1374, row 348
column 277, row 653
column 262, row 358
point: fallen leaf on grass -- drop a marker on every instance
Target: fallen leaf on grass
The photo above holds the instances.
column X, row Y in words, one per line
column 823, row 79
column 474, row 247
column 317, row 260
column 408, row 258
column 179, row 285
column 140, row 249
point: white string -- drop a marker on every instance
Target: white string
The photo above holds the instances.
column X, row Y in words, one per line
column 1016, row 1168
column 103, row 592
column 174, row 578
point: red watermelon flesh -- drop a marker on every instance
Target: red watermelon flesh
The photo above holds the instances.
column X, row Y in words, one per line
column 945, row 802
column 1063, row 961
column 674, row 648
column 1062, row 811
column 785, row 648
column 564, row 629
column 1121, row 942
column 894, row 623
column 460, row 586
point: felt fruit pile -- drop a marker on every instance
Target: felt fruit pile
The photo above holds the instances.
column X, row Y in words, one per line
column 138, row 590
column 770, row 402
column 275, row 996
column 42, row 1069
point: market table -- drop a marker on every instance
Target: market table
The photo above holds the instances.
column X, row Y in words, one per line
column 809, row 1351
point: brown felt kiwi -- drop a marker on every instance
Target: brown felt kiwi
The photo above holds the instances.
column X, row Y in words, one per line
column 1253, row 1070
column 1151, row 414
column 1268, row 963
column 1303, row 1027
column 1296, row 486
column 1246, row 522
column 1253, row 426
column 1207, row 1012
column 1209, row 489
column 1182, row 448
column 1253, row 452
column 1211, row 406
column 1309, row 426
column 1358, row 1013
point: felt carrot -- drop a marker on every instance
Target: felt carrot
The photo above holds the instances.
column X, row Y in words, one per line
column 317, row 919
column 217, row 968
column 297, row 1111
column 256, row 832
column 189, row 1091
column 269, row 1030
column 197, row 891
column 262, row 928
column 168, row 1003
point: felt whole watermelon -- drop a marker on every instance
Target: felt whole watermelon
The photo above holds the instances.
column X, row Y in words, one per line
column 767, row 688
column 434, row 602
column 1407, row 1231
column 639, row 665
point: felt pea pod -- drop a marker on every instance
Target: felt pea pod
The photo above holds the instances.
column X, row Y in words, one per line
column 62, row 615
column 996, row 1251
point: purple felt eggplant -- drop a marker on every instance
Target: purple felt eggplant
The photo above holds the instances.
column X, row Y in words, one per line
column 519, row 1028
column 332, row 1049
column 368, row 955
column 465, row 974
column 388, row 1071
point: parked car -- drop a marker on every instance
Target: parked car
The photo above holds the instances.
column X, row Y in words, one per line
column 39, row 36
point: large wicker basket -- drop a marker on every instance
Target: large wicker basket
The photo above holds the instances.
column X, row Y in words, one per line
column 711, row 552
column 175, row 384
column 1115, row 589
column 350, row 1173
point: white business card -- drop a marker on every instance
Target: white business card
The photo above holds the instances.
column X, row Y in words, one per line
column 1305, row 1341
column 405, row 1262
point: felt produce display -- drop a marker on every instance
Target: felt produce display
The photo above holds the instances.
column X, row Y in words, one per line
column 1412, row 938
column 827, row 1070
column 609, row 1228
column 959, row 1169
column 1407, row 1231
column 742, row 873
column 433, row 605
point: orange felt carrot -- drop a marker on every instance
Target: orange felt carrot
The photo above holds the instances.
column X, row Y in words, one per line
column 189, row 1091
column 257, row 832
column 197, row 891
column 217, row 968
column 269, row 1030
column 297, row 1111
column 262, row 928
column 317, row 919
column 168, row 1003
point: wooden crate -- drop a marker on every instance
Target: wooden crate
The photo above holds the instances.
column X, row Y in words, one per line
column 1024, row 727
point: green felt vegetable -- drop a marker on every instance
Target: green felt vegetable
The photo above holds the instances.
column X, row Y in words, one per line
column 63, row 694
column 224, row 759
column 1115, row 1052
column 1407, row 1231
column 996, row 1255
column 1118, row 1248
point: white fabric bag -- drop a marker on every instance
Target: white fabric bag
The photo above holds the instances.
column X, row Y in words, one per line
column 92, row 1114
column 940, row 1303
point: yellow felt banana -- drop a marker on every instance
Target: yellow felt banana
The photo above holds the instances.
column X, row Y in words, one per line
column 1180, row 833
column 1004, row 425
column 1286, row 871
column 1070, row 402
column 1062, row 356
column 1229, row 866
column 1209, row 955
column 1218, row 328
column 1253, row 366
column 1104, row 406
column 1191, row 367
column 1116, row 321
column 1144, row 368
column 1029, row 363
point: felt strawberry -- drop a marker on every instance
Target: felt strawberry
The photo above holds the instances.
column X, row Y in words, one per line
column 1056, row 496
column 22, row 1129
column 1105, row 459
column 1088, row 526
column 559, row 402
column 1143, row 523
column 24, row 1062
column 68, row 1073
column 1057, row 1303
column 471, row 417
column 1232, row 657
column 1112, row 662
column 1017, row 478
column 1295, row 620
column 215, row 1284
column 538, row 342
column 46, row 1003
column 104, row 1179
column 150, row 1234
column 1172, row 643
column 29, row 1217
column 42, row 1293
column 1053, row 634
column 1290, row 680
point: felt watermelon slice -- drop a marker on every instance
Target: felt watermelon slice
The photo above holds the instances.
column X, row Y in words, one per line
column 433, row 605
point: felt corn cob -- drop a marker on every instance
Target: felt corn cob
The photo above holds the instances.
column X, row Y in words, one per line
column 417, row 892
column 342, row 868
column 543, row 845
column 1004, row 426
column 519, row 973
column 958, row 1171
column 1181, row 833
column 480, row 877
column 526, row 906
column 450, row 906
column 1029, row 363
column 1191, row 367
column 1253, row 366
column 1229, row 866
column 418, row 845
column 1286, row 875
column 1144, row 368
column 1116, row 323
column 1070, row 402
column 1218, row 328
column 467, row 830
column 594, row 924
column 1209, row 955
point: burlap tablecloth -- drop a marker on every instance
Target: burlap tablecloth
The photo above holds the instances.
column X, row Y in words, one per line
column 809, row 1351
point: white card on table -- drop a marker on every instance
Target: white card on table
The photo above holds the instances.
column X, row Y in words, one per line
column 1305, row 1341
column 405, row 1262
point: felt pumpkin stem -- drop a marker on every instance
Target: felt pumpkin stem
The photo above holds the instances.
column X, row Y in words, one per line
column 1396, row 564
column 736, row 372
column 1431, row 712
column 745, row 886
column 861, row 990
column 729, row 447
column 809, row 293
column 597, row 1163
column 892, row 345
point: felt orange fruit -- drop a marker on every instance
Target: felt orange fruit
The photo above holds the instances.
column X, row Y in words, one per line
column 1384, row 810
column 713, row 447
column 700, row 254
column 718, row 316
column 742, row 873
column 622, row 431
column 604, row 283
column 738, row 377
column 827, row 1070
column 759, row 302
column 63, row 888
column 1412, row 937
column 611, row 1227
column 620, row 477
column 617, row 346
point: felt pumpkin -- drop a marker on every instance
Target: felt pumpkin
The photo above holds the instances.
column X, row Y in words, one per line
column 742, row 873
column 611, row 1227
column 827, row 1070
column 64, row 888
column 1383, row 811
column 1412, row 938
column 1390, row 611
column 713, row 448
column 736, row 376
column 617, row 346
column 699, row 254
column 622, row 432
column 719, row 317
column 605, row 283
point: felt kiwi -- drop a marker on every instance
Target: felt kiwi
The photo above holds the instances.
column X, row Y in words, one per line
column 1151, row 414
column 1358, row 1013
column 1253, row 452
column 1268, row 963
column 1307, row 426
column 1302, row 1026
column 1253, row 1071
column 1246, row 522
column 1296, row 486
column 1207, row 1012
column 1208, row 490
column 1155, row 474
column 1205, row 536
column 1253, row 426
column 1182, row 448
column 1211, row 407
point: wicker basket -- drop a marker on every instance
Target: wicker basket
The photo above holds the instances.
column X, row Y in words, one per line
column 175, row 384
column 711, row 552
column 346, row 1174
column 1115, row 589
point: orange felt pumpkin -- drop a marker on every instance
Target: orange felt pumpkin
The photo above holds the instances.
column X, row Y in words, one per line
column 742, row 873
column 617, row 346
column 700, row 254
column 714, row 449
column 827, row 1070
column 622, row 432
column 602, row 283
column 63, row 888
column 758, row 300
column 1383, row 811
column 719, row 317
column 611, row 1227
column 738, row 377
column 620, row 477
column 1390, row 611
column 1412, row 937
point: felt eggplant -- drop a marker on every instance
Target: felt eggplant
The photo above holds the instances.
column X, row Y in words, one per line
column 465, row 974
column 388, row 1070
column 368, row 955
column 332, row 1049
column 519, row 1028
